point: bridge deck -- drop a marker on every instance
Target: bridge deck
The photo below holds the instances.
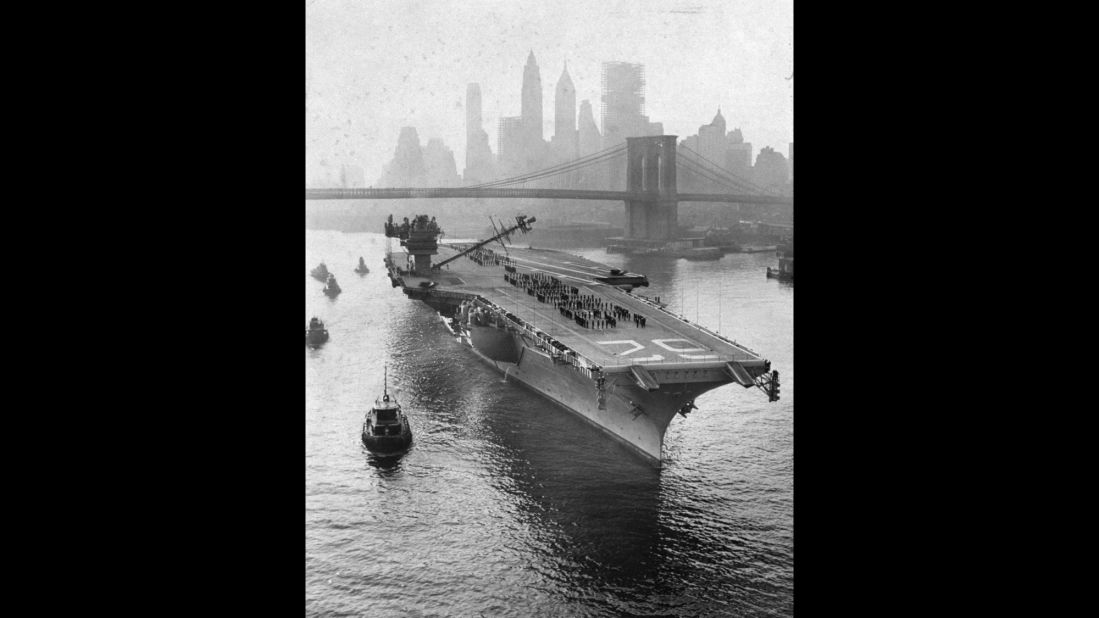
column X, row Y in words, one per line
column 664, row 340
column 513, row 193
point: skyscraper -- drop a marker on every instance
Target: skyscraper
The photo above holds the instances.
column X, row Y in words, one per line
column 590, row 138
column 532, row 99
column 623, row 112
column 521, row 147
column 509, row 149
column 712, row 141
column 479, row 164
column 623, row 102
column 565, row 138
column 439, row 167
column 770, row 169
column 738, row 155
column 406, row 169
column 593, row 177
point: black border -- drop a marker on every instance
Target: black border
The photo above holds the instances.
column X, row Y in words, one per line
column 221, row 501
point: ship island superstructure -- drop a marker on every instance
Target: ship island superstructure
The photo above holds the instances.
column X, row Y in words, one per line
column 572, row 330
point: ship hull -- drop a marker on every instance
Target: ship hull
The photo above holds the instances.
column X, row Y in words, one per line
column 497, row 344
column 634, row 416
column 617, row 360
column 388, row 446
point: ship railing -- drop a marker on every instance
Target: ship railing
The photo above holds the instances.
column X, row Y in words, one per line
column 694, row 325
column 576, row 360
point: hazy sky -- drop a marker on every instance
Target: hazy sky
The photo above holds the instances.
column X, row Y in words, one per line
column 374, row 66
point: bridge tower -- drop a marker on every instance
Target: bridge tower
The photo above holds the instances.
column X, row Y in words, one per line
column 650, row 169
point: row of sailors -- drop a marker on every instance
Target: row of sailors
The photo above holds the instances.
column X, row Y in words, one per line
column 484, row 257
column 599, row 319
column 589, row 319
column 488, row 257
column 544, row 287
column 587, row 310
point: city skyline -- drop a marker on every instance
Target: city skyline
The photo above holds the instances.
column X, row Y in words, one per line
column 362, row 90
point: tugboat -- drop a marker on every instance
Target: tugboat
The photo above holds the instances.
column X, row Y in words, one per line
column 331, row 288
column 386, row 431
column 320, row 273
column 316, row 334
column 362, row 269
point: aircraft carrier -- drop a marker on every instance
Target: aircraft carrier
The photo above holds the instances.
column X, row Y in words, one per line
column 571, row 329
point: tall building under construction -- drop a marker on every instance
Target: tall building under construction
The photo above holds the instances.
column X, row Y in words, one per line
column 624, row 112
column 623, row 102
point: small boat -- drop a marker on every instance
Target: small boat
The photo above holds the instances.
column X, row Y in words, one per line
column 362, row 269
column 386, row 431
column 316, row 334
column 775, row 273
column 702, row 253
column 331, row 288
column 320, row 273
column 785, row 270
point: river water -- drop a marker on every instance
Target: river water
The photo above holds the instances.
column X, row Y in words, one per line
column 506, row 504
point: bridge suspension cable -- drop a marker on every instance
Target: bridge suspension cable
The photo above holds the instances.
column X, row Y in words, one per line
column 595, row 158
column 693, row 169
column 713, row 172
column 697, row 169
column 602, row 156
column 724, row 181
column 718, row 170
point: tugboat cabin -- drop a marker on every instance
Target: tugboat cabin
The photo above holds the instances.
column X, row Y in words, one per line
column 386, row 421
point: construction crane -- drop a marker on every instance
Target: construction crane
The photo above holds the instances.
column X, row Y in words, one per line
column 521, row 223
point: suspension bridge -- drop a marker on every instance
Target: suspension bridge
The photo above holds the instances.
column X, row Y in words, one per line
column 650, row 195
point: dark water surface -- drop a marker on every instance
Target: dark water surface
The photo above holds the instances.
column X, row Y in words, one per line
column 508, row 505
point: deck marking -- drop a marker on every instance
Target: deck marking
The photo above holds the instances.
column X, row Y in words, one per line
column 550, row 267
column 629, row 341
column 700, row 356
column 556, row 321
column 654, row 357
column 664, row 344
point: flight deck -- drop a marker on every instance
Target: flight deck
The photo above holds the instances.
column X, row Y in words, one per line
column 617, row 329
